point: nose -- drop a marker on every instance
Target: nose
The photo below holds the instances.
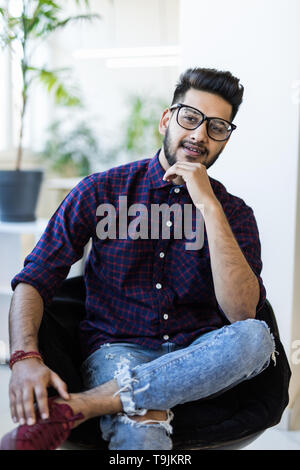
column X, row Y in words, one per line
column 200, row 133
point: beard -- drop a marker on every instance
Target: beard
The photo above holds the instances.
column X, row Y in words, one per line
column 171, row 155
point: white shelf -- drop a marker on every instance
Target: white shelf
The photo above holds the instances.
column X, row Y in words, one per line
column 23, row 227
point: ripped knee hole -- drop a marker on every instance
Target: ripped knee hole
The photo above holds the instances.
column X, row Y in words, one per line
column 155, row 415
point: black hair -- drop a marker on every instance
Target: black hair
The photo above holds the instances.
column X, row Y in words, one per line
column 214, row 81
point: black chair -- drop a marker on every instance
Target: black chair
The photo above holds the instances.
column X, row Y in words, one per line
column 231, row 420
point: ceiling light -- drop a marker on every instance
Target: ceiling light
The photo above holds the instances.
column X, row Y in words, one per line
column 111, row 53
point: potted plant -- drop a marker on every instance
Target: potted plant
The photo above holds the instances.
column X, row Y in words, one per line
column 70, row 148
column 19, row 188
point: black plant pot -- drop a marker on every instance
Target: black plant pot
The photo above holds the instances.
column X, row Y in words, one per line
column 19, row 192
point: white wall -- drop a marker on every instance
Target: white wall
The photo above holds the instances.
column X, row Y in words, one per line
column 258, row 41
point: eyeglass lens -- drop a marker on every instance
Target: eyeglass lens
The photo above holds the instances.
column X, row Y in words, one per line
column 190, row 119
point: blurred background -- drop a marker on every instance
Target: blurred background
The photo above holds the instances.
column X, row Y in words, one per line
column 97, row 85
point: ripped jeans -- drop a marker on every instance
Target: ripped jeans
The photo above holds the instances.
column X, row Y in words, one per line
column 160, row 379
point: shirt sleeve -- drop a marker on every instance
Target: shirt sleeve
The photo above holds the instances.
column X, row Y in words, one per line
column 244, row 227
column 62, row 243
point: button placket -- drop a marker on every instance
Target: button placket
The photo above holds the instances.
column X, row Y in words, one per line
column 161, row 253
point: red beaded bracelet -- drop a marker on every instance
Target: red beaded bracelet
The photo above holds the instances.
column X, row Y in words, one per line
column 20, row 355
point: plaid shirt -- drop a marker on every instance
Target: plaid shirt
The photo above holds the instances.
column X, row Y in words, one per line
column 145, row 291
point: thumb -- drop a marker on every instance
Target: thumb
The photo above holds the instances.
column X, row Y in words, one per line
column 60, row 386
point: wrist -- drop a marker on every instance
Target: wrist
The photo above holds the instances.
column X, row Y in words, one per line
column 209, row 206
column 21, row 355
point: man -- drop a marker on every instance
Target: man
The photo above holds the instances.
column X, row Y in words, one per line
column 164, row 324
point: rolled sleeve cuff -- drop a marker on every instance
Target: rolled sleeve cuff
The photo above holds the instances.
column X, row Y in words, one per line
column 43, row 280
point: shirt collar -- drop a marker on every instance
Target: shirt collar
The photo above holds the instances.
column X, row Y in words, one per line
column 156, row 173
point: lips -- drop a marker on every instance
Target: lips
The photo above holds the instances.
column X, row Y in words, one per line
column 194, row 150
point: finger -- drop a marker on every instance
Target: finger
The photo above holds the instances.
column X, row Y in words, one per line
column 170, row 174
column 41, row 396
column 183, row 162
column 20, row 415
column 29, row 405
column 60, row 386
column 174, row 168
column 169, row 177
column 187, row 168
column 12, row 405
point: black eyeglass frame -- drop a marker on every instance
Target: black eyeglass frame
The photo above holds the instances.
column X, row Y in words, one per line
column 178, row 106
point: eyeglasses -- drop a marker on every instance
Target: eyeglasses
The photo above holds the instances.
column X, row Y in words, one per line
column 190, row 118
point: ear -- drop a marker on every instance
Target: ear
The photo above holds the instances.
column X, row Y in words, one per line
column 164, row 121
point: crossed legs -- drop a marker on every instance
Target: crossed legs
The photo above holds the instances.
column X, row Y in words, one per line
column 133, row 389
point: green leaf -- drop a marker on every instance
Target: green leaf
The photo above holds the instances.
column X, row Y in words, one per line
column 85, row 2
column 62, row 94
column 37, row 20
column 50, row 26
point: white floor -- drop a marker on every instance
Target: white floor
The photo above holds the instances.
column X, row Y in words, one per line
column 272, row 439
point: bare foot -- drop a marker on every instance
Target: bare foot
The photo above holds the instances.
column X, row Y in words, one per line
column 77, row 404
column 95, row 402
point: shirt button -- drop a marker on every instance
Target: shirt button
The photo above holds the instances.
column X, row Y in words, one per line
column 161, row 254
column 169, row 223
column 166, row 337
column 158, row 286
column 166, row 316
column 176, row 190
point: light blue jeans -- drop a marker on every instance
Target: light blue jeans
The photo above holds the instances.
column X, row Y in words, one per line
column 160, row 379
